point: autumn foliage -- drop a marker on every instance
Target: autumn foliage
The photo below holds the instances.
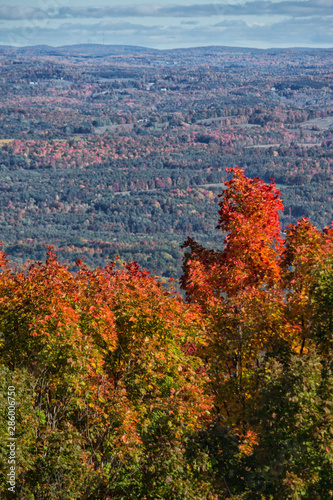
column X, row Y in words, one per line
column 129, row 392
column 256, row 292
column 106, row 361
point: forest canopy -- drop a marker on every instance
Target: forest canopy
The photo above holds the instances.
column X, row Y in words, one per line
column 107, row 152
column 125, row 390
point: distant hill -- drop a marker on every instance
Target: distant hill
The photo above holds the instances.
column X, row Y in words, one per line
column 81, row 50
column 100, row 50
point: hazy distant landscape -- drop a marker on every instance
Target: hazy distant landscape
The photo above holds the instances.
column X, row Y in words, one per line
column 108, row 149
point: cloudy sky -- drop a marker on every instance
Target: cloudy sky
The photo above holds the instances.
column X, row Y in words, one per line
column 167, row 24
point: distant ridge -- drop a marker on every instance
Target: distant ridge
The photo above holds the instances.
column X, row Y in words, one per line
column 101, row 50
column 80, row 50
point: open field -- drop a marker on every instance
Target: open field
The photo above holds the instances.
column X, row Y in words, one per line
column 318, row 123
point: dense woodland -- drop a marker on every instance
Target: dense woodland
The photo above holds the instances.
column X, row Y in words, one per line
column 126, row 391
column 166, row 307
column 108, row 150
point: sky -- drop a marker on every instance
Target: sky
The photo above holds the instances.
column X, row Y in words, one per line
column 167, row 24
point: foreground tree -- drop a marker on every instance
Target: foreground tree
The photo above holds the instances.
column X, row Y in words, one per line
column 306, row 257
column 268, row 305
column 294, row 458
column 107, row 362
column 239, row 289
column 256, row 291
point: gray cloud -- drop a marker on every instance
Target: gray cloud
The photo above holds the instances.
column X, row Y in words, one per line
column 305, row 23
column 291, row 8
column 107, row 26
column 317, row 31
column 9, row 13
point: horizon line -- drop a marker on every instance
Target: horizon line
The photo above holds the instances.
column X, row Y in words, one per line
column 164, row 50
